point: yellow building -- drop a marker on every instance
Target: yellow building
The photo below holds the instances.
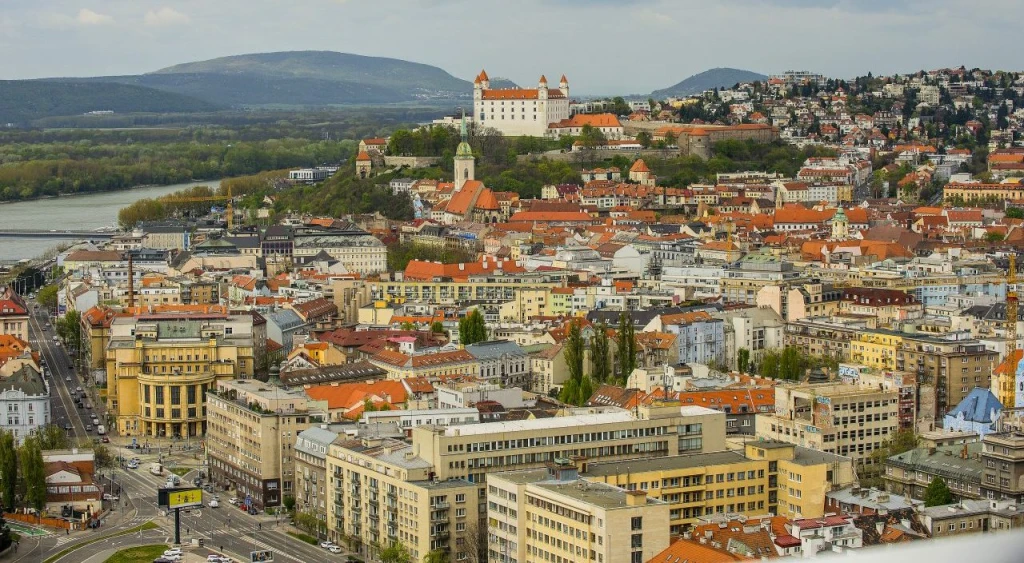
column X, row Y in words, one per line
column 490, row 289
column 768, row 477
column 527, row 304
column 403, row 366
column 159, row 369
column 471, row 453
column 560, row 302
column 551, row 515
column 799, row 478
column 380, row 492
column 876, row 349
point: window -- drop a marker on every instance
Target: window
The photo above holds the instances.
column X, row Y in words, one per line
column 637, row 523
column 159, row 393
column 192, row 393
column 175, row 395
column 145, row 393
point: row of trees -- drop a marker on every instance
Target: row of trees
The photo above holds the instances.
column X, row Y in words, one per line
column 790, row 363
column 34, row 170
column 605, row 367
column 401, row 253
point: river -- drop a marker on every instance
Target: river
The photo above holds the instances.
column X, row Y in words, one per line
column 81, row 212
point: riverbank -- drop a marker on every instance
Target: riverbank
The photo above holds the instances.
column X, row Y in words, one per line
column 193, row 182
column 82, row 212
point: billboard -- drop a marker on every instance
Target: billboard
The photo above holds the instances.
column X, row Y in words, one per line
column 180, row 497
column 262, row 555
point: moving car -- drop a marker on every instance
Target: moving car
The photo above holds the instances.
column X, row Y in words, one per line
column 326, row 544
column 88, row 428
column 105, row 440
column 334, row 549
column 214, row 503
column 173, row 551
column 110, row 497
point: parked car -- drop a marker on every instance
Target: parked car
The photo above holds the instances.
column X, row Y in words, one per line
column 88, row 428
column 173, row 551
column 214, row 503
column 326, row 544
column 110, row 497
column 334, row 549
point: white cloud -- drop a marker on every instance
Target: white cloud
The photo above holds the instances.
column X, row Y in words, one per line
column 165, row 16
column 89, row 17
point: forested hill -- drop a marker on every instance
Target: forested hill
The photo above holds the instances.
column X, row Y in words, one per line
column 24, row 100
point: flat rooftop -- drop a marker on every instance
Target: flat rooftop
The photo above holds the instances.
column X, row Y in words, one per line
column 601, row 495
column 669, row 463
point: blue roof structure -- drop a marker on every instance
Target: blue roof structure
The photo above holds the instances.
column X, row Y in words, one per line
column 978, row 406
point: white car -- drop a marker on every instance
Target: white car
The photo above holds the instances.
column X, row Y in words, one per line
column 173, row 551
column 214, row 503
column 326, row 544
column 334, row 549
column 110, row 497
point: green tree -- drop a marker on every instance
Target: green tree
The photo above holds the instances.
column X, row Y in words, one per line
column 472, row 328
column 1011, row 213
column 437, row 327
column 600, row 354
column 52, row 437
column 937, row 493
column 33, row 472
column 408, row 325
column 8, row 469
column 69, row 328
column 993, row 237
column 289, row 503
column 574, row 350
column 307, row 520
column 742, row 360
column 394, row 553
column 625, row 343
column 103, row 458
column 436, row 556
column 47, row 297
column 644, row 138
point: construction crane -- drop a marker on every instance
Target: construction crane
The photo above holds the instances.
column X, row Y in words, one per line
column 1008, row 385
column 229, row 211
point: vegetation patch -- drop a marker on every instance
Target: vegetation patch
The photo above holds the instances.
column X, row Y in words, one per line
column 141, row 554
column 179, row 471
column 303, row 537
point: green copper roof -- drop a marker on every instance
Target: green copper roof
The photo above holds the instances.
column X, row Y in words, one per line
column 464, row 149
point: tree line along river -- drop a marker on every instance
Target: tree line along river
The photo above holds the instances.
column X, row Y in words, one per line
column 79, row 213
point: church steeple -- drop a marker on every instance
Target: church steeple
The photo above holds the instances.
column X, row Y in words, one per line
column 465, row 162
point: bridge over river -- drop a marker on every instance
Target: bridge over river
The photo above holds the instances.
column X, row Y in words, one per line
column 56, row 234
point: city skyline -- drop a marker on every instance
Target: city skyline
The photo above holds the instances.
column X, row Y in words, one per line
column 88, row 39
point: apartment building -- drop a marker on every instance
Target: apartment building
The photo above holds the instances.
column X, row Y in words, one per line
column 482, row 288
column 251, row 437
column 550, row 514
column 13, row 314
column 310, row 494
column 767, row 476
column 380, row 491
column 971, row 517
column 437, row 458
column 741, row 284
column 959, row 465
column 1003, row 471
column 160, row 368
column 952, row 365
column 836, row 418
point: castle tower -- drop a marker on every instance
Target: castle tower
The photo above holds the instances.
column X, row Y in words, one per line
column 542, row 88
column 465, row 162
column 563, row 85
column 364, row 165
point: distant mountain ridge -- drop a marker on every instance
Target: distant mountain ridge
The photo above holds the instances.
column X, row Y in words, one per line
column 707, row 80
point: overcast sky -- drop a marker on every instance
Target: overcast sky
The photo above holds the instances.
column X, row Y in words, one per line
column 603, row 46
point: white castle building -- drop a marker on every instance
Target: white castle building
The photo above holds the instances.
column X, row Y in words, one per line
column 520, row 111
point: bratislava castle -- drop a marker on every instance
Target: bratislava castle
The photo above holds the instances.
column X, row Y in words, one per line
column 520, row 111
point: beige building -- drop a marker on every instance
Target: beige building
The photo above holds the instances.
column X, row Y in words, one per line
column 467, row 454
column 483, row 288
column 379, row 492
column 769, row 476
column 835, row 418
column 251, row 437
column 311, row 447
column 160, row 367
column 550, row 514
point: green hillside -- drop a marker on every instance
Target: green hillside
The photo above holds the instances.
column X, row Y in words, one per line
column 24, row 100
column 708, row 80
column 394, row 74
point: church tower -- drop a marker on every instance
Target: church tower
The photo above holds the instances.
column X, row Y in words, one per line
column 840, row 225
column 465, row 162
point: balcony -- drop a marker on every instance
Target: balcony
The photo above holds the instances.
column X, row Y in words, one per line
column 440, row 506
column 439, row 517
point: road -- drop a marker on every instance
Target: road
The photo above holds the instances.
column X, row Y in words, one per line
column 62, row 379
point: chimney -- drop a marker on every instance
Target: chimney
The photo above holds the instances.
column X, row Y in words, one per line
column 636, row 498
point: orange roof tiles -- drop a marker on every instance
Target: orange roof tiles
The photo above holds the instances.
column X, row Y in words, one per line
column 692, row 551
column 349, row 395
column 593, row 120
column 639, row 166
column 420, row 270
column 363, row 157
column 520, row 94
